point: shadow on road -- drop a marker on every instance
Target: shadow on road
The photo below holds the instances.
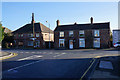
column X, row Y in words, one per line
column 48, row 69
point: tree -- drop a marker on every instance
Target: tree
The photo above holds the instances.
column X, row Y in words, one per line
column 1, row 33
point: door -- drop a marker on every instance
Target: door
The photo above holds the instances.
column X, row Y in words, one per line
column 70, row 44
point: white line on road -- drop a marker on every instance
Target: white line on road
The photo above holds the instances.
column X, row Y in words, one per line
column 30, row 57
column 25, row 65
column 59, row 55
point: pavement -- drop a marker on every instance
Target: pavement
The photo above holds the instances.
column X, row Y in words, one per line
column 108, row 68
column 6, row 55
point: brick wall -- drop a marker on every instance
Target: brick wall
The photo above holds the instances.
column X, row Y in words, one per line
column 89, row 37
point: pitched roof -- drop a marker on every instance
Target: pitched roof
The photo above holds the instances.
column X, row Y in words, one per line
column 28, row 28
column 6, row 30
column 83, row 26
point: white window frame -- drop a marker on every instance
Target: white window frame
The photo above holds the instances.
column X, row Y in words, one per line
column 37, row 34
column 96, row 44
column 82, row 39
column 61, row 34
column 81, row 32
column 71, row 34
column 96, row 33
column 63, row 42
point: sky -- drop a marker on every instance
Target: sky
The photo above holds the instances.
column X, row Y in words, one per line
column 17, row 14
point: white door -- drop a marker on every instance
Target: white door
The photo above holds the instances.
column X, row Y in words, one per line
column 71, row 44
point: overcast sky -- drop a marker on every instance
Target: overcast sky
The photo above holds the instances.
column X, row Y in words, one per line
column 17, row 14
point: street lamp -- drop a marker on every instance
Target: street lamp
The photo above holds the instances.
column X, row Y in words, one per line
column 49, row 33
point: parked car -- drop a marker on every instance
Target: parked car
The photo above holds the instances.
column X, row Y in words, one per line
column 117, row 44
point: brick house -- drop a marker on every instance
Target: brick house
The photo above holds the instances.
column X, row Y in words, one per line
column 91, row 35
column 33, row 35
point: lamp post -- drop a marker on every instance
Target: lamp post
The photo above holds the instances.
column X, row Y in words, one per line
column 49, row 33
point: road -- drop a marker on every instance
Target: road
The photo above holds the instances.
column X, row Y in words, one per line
column 52, row 64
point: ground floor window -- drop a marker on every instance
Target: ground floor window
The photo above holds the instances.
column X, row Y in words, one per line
column 96, row 42
column 61, row 43
column 81, row 42
column 20, row 43
column 30, row 43
column 37, row 43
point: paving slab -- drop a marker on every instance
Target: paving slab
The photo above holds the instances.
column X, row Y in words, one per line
column 105, row 65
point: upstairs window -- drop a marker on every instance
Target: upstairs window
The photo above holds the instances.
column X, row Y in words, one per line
column 37, row 34
column 61, row 34
column 30, row 35
column 70, row 33
column 21, row 35
column 96, row 33
column 81, row 33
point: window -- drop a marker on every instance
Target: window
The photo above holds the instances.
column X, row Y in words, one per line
column 37, row 43
column 96, row 33
column 81, row 33
column 30, row 43
column 61, row 42
column 81, row 42
column 70, row 33
column 61, row 34
column 21, row 35
column 30, row 35
column 97, row 42
column 20, row 43
column 37, row 34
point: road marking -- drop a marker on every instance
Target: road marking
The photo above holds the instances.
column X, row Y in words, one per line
column 88, row 69
column 10, row 56
column 24, row 65
column 26, row 52
column 30, row 57
column 59, row 54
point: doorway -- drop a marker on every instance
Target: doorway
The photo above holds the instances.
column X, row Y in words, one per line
column 70, row 44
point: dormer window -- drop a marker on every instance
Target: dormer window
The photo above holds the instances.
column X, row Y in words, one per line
column 96, row 33
column 81, row 33
column 61, row 34
column 70, row 33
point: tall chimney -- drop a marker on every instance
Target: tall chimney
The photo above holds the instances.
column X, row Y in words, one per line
column 32, row 18
column 91, row 20
column 58, row 22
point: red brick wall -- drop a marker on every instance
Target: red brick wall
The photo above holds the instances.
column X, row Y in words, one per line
column 89, row 37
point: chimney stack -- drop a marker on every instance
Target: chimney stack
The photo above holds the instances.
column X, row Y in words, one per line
column 32, row 18
column 91, row 20
column 58, row 22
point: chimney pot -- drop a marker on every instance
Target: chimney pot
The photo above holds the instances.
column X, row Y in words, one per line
column 32, row 18
column 58, row 22
column 91, row 20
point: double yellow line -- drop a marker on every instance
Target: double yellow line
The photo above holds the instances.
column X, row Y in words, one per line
column 94, row 59
column 12, row 55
